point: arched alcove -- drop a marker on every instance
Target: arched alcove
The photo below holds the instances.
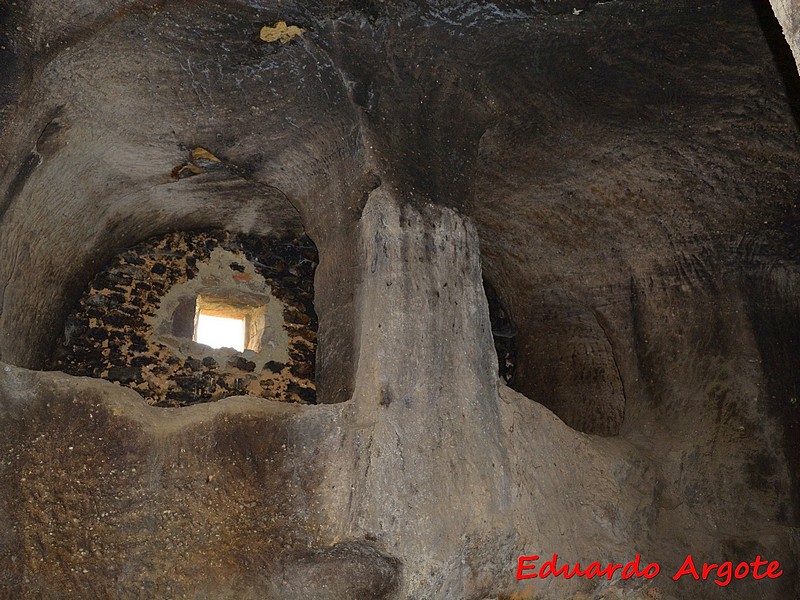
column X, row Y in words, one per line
column 138, row 322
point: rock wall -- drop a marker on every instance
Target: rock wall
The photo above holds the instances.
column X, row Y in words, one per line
column 624, row 174
column 788, row 13
column 117, row 332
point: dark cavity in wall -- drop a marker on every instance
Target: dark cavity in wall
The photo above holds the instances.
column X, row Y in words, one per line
column 503, row 333
column 775, row 314
column 137, row 323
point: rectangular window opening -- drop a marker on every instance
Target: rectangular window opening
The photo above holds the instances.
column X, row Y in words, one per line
column 220, row 332
column 225, row 322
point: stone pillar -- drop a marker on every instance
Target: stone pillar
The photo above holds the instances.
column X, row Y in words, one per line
column 428, row 467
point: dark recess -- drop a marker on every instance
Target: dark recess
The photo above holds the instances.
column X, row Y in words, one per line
column 503, row 333
column 776, row 324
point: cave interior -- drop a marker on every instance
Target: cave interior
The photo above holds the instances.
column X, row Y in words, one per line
column 512, row 278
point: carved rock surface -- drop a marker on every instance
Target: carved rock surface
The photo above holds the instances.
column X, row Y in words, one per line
column 625, row 176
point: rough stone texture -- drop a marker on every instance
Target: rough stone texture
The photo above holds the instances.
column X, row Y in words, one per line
column 624, row 175
column 788, row 13
column 211, row 501
column 115, row 332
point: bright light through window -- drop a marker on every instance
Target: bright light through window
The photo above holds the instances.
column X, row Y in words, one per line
column 220, row 332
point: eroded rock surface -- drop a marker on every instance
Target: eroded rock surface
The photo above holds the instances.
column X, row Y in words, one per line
column 625, row 177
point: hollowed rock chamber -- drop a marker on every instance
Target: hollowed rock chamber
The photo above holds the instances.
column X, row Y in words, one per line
column 363, row 300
